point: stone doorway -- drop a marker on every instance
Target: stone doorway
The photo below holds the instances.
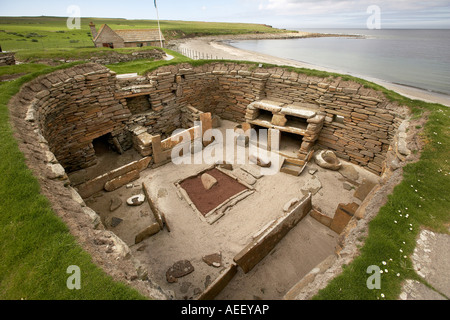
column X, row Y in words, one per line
column 103, row 145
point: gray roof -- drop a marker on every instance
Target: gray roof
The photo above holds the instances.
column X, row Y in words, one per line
column 138, row 35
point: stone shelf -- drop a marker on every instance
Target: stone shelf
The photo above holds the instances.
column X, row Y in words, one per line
column 300, row 129
column 300, row 119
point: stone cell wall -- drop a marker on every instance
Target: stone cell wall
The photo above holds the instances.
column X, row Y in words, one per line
column 362, row 136
column 72, row 108
column 77, row 105
column 368, row 124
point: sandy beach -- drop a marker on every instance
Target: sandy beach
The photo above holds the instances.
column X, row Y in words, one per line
column 216, row 47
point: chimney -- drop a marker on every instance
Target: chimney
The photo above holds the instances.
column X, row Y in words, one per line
column 93, row 30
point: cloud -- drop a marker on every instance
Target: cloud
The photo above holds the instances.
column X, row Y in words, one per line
column 322, row 7
column 337, row 13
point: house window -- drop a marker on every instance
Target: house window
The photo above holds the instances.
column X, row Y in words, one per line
column 139, row 45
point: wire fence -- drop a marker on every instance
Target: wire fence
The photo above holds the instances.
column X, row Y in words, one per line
column 197, row 55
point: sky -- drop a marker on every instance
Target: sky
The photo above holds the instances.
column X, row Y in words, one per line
column 277, row 13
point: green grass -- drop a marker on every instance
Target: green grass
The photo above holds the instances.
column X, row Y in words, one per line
column 21, row 68
column 41, row 33
column 36, row 246
column 142, row 66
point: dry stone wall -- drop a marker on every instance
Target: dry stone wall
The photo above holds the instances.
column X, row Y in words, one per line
column 116, row 57
column 74, row 106
column 7, row 58
column 360, row 123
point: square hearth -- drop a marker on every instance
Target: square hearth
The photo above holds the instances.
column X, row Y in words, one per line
column 211, row 204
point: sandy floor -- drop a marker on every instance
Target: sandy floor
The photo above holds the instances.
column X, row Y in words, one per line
column 220, row 50
column 191, row 237
column 295, row 255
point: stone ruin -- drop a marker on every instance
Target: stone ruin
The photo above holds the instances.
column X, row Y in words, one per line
column 7, row 58
column 69, row 110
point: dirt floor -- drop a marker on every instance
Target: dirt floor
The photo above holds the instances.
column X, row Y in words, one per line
column 192, row 238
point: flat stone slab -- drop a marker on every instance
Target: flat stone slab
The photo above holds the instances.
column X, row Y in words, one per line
column 136, row 200
column 179, row 269
column 115, row 222
column 342, row 216
column 431, row 259
column 116, row 202
column 120, row 181
column 364, row 189
column 147, row 233
column 297, row 111
column 415, row 290
column 213, row 260
column 244, row 176
column 267, row 105
column 312, row 185
column 252, row 170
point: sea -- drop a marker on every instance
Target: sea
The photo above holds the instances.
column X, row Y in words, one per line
column 418, row 58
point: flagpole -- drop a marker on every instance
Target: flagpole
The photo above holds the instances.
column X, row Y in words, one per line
column 159, row 27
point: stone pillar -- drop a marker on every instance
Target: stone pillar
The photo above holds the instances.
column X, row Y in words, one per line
column 313, row 129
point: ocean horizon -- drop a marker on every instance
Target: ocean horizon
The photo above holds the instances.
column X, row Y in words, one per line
column 418, row 58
